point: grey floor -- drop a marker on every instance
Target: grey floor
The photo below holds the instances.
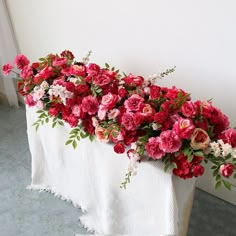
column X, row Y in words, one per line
column 27, row 213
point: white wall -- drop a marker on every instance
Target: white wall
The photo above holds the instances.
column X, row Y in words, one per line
column 143, row 37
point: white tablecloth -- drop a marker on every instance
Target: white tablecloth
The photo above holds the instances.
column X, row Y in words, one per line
column 154, row 203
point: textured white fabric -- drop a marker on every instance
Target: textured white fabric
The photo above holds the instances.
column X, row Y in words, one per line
column 90, row 176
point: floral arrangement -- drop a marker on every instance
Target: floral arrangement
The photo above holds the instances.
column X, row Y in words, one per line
column 136, row 115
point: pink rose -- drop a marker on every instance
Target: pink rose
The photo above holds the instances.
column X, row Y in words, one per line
column 59, row 61
column 134, row 103
column 102, row 112
column 109, row 101
column 199, row 139
column 184, row 128
column 133, row 80
column 102, row 134
column 169, row 141
column 113, row 114
column 205, row 108
column 229, row 136
column 128, row 121
column 153, row 148
column 226, row 170
column 116, row 135
column 21, row 61
column 119, row 148
column 90, row 105
column 147, row 109
column 101, row 80
column 188, row 109
column 79, row 70
column 7, row 68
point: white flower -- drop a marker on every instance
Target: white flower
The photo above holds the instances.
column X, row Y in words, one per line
column 215, row 147
column 226, row 149
column 61, row 92
column 154, row 126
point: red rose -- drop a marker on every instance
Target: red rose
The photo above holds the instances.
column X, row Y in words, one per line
column 46, row 72
column 138, row 118
column 88, row 126
column 226, row 170
column 155, row 92
column 72, row 120
column 70, row 86
column 205, row 108
column 198, row 170
column 122, row 92
column 82, row 88
column 53, row 111
column 93, row 68
column 130, row 137
column 133, row 80
column 119, row 148
column 68, row 54
column 160, row 117
column 109, row 101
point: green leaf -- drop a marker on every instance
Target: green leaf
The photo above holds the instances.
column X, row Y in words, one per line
column 84, row 135
column 106, row 65
column 199, row 153
column 214, row 167
column 218, row 184
column 227, row 184
column 47, row 120
column 61, row 123
column 190, row 158
column 37, row 127
column 78, row 138
column 69, row 141
column 91, row 137
column 166, row 167
column 54, row 124
column 218, row 177
column 74, row 144
column 234, row 176
column 40, row 111
column 186, row 151
column 215, row 172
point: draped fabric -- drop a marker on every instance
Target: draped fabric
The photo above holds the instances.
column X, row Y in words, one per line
column 154, row 203
column 8, row 51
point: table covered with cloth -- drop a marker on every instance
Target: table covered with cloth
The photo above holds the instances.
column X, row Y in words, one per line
column 154, row 203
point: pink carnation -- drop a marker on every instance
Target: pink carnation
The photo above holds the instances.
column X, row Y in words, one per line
column 128, row 121
column 26, row 72
column 153, row 148
column 59, row 62
column 90, row 105
column 7, row 69
column 184, row 128
column 21, row 61
column 29, row 100
column 169, row 141
column 134, row 103
column 102, row 112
